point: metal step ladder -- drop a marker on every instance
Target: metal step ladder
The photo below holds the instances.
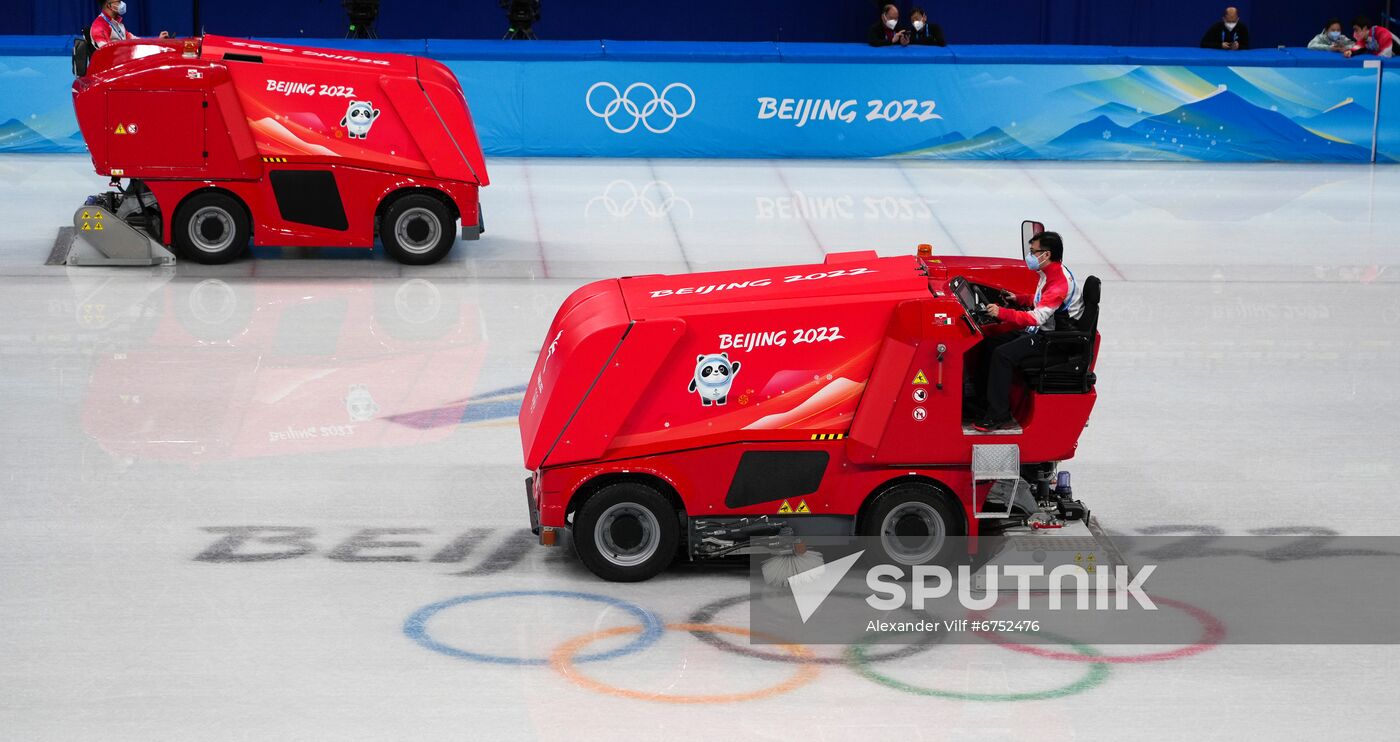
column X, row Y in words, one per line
column 999, row 463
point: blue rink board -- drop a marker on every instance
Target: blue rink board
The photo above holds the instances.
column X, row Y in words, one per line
column 690, row 99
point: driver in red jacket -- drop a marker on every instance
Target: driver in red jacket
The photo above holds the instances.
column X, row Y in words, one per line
column 1056, row 296
column 108, row 26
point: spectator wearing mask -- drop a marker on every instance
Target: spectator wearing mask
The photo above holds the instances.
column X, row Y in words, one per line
column 925, row 33
column 108, row 26
column 1228, row 33
column 1377, row 40
column 1331, row 39
column 886, row 32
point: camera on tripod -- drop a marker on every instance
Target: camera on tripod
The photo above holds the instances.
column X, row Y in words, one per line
column 362, row 14
column 522, row 15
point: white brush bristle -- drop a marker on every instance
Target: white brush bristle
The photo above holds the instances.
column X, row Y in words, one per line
column 799, row 567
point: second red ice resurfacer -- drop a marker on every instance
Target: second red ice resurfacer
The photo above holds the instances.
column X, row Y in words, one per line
column 227, row 141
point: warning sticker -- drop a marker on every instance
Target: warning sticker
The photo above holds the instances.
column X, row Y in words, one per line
column 919, row 378
column 786, row 508
column 121, row 129
column 802, row 507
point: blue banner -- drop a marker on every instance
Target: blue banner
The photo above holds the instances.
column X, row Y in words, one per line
column 934, row 111
column 836, row 101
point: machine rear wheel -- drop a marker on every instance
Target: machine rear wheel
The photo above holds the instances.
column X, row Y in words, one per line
column 916, row 523
column 418, row 229
column 211, row 228
column 627, row 532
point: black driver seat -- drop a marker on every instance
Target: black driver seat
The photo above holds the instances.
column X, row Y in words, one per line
column 1063, row 367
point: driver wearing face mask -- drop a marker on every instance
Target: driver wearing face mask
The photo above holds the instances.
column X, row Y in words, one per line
column 1228, row 33
column 109, row 27
column 1057, row 300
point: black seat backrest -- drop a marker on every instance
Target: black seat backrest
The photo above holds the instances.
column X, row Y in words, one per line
column 82, row 52
column 1089, row 320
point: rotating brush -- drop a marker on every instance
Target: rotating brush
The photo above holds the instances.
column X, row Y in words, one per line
column 799, row 566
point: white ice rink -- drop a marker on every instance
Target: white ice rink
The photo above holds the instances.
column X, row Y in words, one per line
column 158, row 427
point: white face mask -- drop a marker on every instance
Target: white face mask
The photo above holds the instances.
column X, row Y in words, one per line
column 890, row 23
column 121, row 8
column 918, row 25
column 1230, row 25
column 1334, row 35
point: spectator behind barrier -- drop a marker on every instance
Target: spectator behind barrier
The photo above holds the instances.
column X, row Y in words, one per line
column 1228, row 33
column 925, row 33
column 1331, row 39
column 886, row 31
column 108, row 26
column 1377, row 40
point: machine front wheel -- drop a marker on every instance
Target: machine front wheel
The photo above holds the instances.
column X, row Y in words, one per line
column 916, row 523
column 627, row 532
column 211, row 228
column 418, row 229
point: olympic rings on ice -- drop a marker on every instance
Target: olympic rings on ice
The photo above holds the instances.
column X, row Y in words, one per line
column 416, row 627
column 562, row 660
column 622, row 103
column 655, row 198
column 1096, row 675
column 1212, row 632
column 706, row 613
column 565, row 658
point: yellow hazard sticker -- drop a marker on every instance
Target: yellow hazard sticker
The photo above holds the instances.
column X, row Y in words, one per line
column 785, row 509
column 121, row 129
column 802, row 507
column 919, row 378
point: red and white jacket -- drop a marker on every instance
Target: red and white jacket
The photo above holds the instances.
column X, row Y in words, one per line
column 1380, row 42
column 1057, row 289
column 105, row 30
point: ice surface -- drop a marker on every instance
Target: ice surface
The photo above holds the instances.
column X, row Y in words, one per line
column 153, row 422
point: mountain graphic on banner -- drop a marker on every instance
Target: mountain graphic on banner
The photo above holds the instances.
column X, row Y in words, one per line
column 1222, row 126
column 1155, row 89
column 1120, row 114
column 1347, row 120
column 19, row 138
column 16, row 137
column 991, row 144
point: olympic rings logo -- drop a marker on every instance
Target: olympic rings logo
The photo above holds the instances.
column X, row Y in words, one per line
column 621, row 197
column 649, row 629
column 659, row 108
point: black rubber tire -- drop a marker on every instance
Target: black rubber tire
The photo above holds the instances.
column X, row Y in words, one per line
column 932, row 501
column 230, row 215
column 591, row 552
column 420, row 214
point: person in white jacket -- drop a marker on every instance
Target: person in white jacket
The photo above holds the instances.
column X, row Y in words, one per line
column 1331, row 39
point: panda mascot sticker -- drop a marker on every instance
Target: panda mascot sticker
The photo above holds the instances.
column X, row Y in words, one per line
column 713, row 376
column 359, row 404
column 358, row 118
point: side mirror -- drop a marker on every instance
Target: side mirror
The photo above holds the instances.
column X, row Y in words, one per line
column 1029, row 229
